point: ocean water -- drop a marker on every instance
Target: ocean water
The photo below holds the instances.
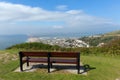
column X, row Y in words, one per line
column 9, row 40
column 65, row 35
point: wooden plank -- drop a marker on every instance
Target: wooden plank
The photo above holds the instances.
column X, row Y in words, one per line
column 58, row 60
column 35, row 54
column 64, row 54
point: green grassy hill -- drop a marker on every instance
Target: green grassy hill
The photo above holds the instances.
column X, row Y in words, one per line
column 35, row 46
column 95, row 41
column 105, row 68
column 105, row 38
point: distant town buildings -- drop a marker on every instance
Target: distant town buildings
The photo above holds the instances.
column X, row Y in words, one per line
column 101, row 44
column 33, row 39
column 63, row 42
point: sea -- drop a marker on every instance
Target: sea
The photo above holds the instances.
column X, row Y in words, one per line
column 9, row 40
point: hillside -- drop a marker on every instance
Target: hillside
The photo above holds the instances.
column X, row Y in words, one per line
column 96, row 41
column 35, row 46
column 114, row 33
column 104, row 38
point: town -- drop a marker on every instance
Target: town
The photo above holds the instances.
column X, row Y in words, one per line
column 63, row 42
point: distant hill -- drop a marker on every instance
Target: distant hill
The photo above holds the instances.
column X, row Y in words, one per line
column 114, row 33
column 105, row 38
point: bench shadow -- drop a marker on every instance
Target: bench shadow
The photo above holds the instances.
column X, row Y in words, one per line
column 63, row 67
column 36, row 66
column 87, row 67
column 83, row 69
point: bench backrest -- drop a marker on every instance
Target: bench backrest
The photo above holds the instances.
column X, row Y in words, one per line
column 51, row 54
column 34, row 54
column 65, row 54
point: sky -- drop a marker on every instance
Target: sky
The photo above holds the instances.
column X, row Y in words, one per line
column 59, row 16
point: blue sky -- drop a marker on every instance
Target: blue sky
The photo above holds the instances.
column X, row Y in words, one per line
column 59, row 16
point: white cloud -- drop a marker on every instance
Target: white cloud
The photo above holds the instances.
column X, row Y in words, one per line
column 74, row 12
column 18, row 12
column 58, row 27
column 62, row 7
column 13, row 13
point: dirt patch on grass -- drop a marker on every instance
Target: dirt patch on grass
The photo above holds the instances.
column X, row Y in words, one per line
column 5, row 57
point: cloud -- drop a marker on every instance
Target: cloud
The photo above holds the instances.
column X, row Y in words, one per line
column 58, row 27
column 73, row 19
column 18, row 12
column 62, row 7
column 72, row 12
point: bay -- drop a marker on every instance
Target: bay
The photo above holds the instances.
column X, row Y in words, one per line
column 9, row 40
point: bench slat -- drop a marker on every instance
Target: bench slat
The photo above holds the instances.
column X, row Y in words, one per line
column 64, row 54
column 71, row 61
column 35, row 54
column 37, row 60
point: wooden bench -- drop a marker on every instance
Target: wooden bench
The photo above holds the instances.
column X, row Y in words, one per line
column 50, row 58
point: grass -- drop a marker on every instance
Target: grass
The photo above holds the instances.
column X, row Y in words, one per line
column 106, row 68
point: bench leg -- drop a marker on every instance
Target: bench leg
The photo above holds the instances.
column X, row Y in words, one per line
column 48, row 67
column 21, row 65
column 51, row 65
column 78, row 64
column 21, row 62
column 78, row 68
column 48, row 63
column 27, row 61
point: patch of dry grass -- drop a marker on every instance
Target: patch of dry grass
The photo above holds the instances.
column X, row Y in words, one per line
column 7, row 56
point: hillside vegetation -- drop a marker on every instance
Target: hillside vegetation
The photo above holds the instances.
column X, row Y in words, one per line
column 35, row 46
column 104, row 38
column 95, row 41
column 114, row 33
column 110, row 48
